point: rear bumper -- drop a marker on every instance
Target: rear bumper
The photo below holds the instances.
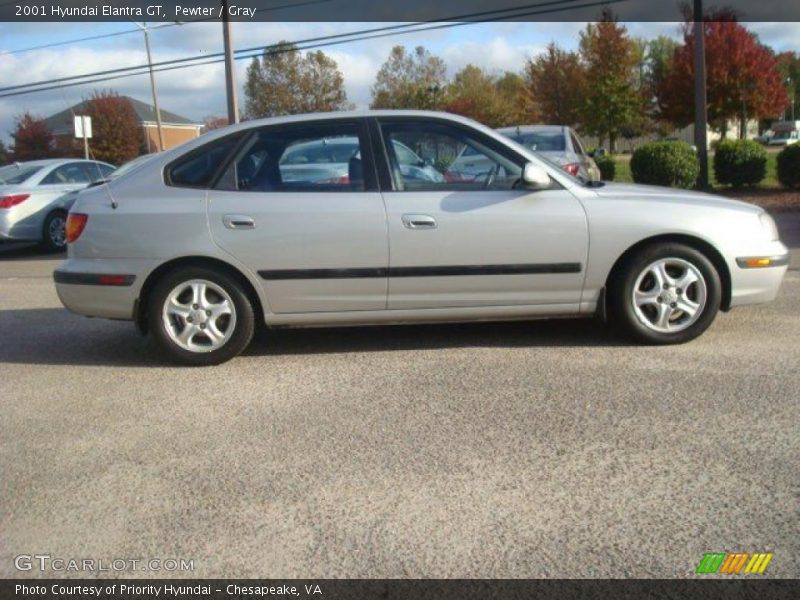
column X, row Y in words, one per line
column 101, row 288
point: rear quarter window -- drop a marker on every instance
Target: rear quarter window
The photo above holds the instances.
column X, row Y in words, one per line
column 197, row 168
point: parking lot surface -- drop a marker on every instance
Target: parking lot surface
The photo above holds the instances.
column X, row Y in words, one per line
column 534, row 449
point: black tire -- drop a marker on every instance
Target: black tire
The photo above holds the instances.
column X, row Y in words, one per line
column 243, row 328
column 623, row 314
column 53, row 232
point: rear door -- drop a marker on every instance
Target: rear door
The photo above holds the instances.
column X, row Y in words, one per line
column 299, row 205
column 472, row 237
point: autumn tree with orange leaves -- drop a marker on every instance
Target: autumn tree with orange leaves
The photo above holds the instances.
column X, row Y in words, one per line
column 743, row 79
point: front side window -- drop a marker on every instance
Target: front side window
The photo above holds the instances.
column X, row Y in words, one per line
column 69, row 174
column 197, row 168
column 299, row 158
column 445, row 158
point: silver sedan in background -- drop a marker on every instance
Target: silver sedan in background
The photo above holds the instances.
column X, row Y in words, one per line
column 558, row 144
column 35, row 197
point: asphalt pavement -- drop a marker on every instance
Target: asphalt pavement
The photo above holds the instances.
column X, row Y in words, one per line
column 533, row 449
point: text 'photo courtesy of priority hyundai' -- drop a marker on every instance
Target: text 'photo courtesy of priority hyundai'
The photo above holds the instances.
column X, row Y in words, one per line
column 367, row 217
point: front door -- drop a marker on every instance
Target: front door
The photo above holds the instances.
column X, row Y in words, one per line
column 463, row 233
column 299, row 205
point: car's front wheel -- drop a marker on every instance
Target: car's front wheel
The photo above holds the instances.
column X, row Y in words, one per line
column 668, row 293
column 200, row 316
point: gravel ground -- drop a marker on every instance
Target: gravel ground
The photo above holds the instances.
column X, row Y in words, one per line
column 492, row 450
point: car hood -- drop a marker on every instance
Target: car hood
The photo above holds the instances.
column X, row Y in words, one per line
column 672, row 195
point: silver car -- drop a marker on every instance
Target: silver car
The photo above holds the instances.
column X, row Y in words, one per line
column 558, row 144
column 196, row 247
column 36, row 195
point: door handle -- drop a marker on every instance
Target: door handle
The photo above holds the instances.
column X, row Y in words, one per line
column 238, row 222
column 419, row 222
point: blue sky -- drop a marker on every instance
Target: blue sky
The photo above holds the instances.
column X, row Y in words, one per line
column 198, row 92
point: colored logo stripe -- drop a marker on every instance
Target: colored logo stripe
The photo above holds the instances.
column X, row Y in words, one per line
column 711, row 562
column 758, row 563
column 721, row 562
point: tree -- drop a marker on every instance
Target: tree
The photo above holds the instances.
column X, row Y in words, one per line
column 33, row 139
column 789, row 67
column 473, row 93
column 410, row 80
column 556, row 86
column 742, row 76
column 613, row 101
column 660, row 53
column 4, row 154
column 284, row 81
column 518, row 106
column 492, row 100
column 212, row 122
column 116, row 135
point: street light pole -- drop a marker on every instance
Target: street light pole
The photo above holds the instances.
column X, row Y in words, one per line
column 700, row 107
column 230, row 73
column 153, row 87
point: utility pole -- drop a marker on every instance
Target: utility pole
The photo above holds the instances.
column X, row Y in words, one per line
column 230, row 73
column 153, row 86
column 700, row 108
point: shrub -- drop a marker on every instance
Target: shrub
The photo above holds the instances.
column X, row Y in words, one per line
column 672, row 164
column 740, row 162
column 607, row 166
column 789, row 166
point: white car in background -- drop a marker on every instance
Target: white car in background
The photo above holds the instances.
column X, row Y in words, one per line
column 36, row 196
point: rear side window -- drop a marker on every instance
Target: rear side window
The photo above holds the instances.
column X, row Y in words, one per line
column 305, row 157
column 197, row 168
column 69, row 174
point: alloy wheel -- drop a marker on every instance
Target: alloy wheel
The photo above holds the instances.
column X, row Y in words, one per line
column 199, row 316
column 669, row 295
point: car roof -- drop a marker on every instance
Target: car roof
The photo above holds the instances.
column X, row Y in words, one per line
column 53, row 162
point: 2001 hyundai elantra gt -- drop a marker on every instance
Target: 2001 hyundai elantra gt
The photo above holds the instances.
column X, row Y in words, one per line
column 367, row 217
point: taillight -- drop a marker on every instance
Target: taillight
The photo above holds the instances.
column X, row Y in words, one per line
column 572, row 169
column 12, row 200
column 75, row 224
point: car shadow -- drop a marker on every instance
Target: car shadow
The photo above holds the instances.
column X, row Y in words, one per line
column 52, row 336
column 20, row 251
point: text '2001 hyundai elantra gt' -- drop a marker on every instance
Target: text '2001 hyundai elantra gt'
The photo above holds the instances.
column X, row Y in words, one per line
column 366, row 217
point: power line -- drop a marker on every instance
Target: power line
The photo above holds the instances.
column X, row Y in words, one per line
column 316, row 39
column 330, row 40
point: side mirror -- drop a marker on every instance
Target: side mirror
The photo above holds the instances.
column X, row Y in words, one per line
column 535, row 177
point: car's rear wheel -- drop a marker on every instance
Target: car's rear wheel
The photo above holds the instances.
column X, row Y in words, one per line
column 667, row 293
column 54, row 237
column 200, row 316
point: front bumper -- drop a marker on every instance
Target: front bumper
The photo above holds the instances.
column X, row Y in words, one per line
column 754, row 283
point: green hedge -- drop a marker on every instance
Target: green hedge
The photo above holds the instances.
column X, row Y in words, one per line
column 672, row 164
column 607, row 166
column 789, row 166
column 740, row 162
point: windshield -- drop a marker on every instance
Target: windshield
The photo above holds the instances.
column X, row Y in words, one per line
column 542, row 141
column 14, row 174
